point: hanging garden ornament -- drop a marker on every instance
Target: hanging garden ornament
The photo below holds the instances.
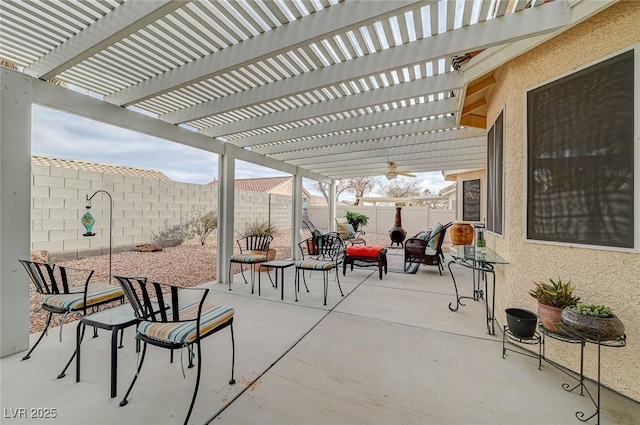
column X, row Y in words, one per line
column 88, row 221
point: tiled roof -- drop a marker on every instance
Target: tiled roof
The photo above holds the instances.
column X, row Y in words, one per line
column 95, row 166
column 265, row 184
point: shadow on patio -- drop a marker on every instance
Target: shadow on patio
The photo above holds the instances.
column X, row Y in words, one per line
column 389, row 352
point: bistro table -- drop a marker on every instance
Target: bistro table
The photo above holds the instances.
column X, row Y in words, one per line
column 481, row 262
column 278, row 265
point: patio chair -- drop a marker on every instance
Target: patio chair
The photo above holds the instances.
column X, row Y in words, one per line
column 330, row 248
column 169, row 318
column 427, row 250
column 67, row 290
column 349, row 235
column 253, row 250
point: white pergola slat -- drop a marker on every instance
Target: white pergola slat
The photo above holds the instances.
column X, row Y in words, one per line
column 301, row 85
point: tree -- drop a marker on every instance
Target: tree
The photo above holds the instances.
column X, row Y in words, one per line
column 324, row 189
column 359, row 186
column 401, row 187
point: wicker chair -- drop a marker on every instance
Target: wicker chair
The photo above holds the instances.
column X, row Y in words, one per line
column 426, row 251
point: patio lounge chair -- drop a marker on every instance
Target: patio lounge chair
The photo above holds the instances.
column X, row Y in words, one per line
column 349, row 235
column 67, row 290
column 427, row 251
column 169, row 321
column 330, row 252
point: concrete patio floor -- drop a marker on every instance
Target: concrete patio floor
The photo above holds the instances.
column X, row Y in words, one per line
column 389, row 352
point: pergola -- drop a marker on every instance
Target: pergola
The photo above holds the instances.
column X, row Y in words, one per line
column 320, row 89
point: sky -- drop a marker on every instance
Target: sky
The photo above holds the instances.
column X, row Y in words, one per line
column 58, row 134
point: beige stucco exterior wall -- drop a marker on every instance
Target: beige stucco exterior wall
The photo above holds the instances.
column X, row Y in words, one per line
column 601, row 276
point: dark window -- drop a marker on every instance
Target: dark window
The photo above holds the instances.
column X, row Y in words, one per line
column 471, row 200
column 495, row 175
column 580, row 156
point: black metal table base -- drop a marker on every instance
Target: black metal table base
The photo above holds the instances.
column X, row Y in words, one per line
column 480, row 270
column 536, row 339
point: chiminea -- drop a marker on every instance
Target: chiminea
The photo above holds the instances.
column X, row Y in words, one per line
column 397, row 233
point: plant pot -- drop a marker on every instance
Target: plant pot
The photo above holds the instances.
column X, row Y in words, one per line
column 522, row 323
column 603, row 327
column 550, row 317
column 271, row 255
column 461, row 233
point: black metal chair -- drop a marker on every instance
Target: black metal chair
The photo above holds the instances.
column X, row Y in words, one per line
column 169, row 321
column 66, row 290
column 426, row 251
column 330, row 252
column 254, row 250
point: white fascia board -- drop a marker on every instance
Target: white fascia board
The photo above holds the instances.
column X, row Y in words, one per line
column 397, row 142
column 365, row 135
column 350, row 157
column 495, row 57
column 439, row 107
column 512, row 27
column 423, row 87
column 75, row 103
column 123, row 21
column 427, row 167
column 465, row 152
column 339, row 18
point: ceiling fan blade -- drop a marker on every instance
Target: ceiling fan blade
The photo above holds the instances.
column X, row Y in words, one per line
column 405, row 173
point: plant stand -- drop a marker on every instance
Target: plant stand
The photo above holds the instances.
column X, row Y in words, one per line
column 574, row 337
column 536, row 339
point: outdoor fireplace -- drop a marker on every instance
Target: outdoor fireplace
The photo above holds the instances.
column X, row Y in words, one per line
column 397, row 233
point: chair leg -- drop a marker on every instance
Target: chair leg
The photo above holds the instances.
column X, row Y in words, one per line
column 296, row 284
column 135, row 377
column 195, row 390
column 190, row 350
column 40, row 338
column 73, row 356
column 233, row 356
column 338, row 280
column 325, row 278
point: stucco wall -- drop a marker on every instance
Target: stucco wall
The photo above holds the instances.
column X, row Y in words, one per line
column 601, row 276
column 141, row 207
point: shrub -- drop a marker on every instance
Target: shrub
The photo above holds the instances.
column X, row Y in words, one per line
column 202, row 224
column 170, row 235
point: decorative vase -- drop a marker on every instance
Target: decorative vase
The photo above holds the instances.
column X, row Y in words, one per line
column 550, row 317
column 522, row 323
column 88, row 221
column 603, row 327
column 271, row 255
column 461, row 233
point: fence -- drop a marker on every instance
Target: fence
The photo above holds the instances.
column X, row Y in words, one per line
column 141, row 208
column 381, row 218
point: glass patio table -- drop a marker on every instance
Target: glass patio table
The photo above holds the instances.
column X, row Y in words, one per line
column 481, row 262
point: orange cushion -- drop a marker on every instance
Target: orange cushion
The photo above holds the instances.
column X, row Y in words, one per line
column 364, row 251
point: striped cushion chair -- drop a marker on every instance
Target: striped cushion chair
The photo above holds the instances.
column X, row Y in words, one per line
column 172, row 317
column 330, row 252
column 67, row 290
column 253, row 250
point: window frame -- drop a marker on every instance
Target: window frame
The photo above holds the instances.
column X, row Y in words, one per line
column 636, row 164
column 479, row 180
column 489, row 183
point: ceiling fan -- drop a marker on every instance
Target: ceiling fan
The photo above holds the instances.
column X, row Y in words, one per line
column 393, row 172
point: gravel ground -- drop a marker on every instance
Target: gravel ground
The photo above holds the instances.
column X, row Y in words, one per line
column 185, row 265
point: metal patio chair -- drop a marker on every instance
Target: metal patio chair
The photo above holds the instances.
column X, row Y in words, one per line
column 67, row 290
column 253, row 250
column 330, row 252
column 169, row 320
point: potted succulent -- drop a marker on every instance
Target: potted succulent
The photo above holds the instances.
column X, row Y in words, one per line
column 593, row 320
column 552, row 298
column 356, row 219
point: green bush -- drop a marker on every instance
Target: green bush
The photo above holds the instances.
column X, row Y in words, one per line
column 202, row 223
column 593, row 310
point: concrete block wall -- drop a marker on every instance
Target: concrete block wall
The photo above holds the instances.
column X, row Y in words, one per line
column 141, row 208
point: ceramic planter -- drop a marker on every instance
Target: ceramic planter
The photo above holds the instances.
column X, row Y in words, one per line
column 550, row 317
column 603, row 327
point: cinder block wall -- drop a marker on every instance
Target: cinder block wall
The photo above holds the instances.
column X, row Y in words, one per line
column 141, row 207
